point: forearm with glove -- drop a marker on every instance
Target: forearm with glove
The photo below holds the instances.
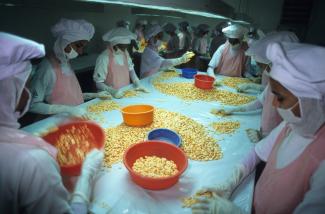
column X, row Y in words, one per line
column 114, row 92
column 44, row 108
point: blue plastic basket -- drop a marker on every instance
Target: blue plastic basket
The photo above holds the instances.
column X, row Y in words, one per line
column 165, row 135
column 189, row 73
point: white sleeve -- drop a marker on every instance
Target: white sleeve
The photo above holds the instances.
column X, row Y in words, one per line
column 214, row 62
column 264, row 147
column 100, row 71
column 314, row 199
column 43, row 81
column 130, row 63
column 41, row 189
column 256, row 104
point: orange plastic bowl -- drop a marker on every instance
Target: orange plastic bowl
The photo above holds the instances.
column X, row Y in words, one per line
column 203, row 81
column 159, row 149
column 97, row 131
column 137, row 115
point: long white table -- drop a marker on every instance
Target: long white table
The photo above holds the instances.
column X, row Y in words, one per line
column 115, row 189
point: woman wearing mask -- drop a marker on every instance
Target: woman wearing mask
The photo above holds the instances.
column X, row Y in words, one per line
column 270, row 117
column 55, row 87
column 172, row 48
column 293, row 179
column 185, row 39
column 151, row 62
column 30, row 180
column 229, row 59
column 114, row 67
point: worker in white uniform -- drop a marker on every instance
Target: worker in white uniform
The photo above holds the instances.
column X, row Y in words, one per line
column 173, row 41
column 30, row 180
column 270, row 117
column 151, row 62
column 293, row 179
column 55, row 87
column 114, row 67
column 185, row 40
column 200, row 42
column 230, row 59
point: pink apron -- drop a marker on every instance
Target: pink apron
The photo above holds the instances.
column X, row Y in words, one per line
column 10, row 135
column 118, row 76
column 265, row 78
column 232, row 66
column 270, row 116
column 282, row 190
column 66, row 89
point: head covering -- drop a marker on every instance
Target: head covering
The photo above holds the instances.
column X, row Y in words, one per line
column 257, row 50
column 15, row 53
column 169, row 27
column 234, row 31
column 119, row 35
column 299, row 68
column 67, row 31
column 152, row 31
column 183, row 24
column 203, row 27
column 122, row 23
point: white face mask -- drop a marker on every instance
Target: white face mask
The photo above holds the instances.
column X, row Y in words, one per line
column 72, row 54
column 26, row 108
column 288, row 115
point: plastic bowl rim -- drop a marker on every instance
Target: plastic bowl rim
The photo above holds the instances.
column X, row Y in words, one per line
column 143, row 112
column 198, row 75
column 157, row 179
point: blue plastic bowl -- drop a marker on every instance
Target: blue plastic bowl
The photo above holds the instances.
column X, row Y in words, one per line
column 189, row 73
column 166, row 135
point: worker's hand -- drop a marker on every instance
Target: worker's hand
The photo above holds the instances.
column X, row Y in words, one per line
column 118, row 94
column 139, row 87
column 92, row 163
column 242, row 88
column 217, row 83
column 103, row 95
column 74, row 111
column 254, row 135
column 227, row 110
column 142, row 89
column 187, row 56
column 226, row 189
column 215, row 204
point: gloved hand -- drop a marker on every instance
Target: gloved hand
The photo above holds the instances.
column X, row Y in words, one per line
column 118, row 94
column 215, row 205
column 227, row 110
column 74, row 111
column 254, row 135
column 103, row 95
column 249, row 86
column 217, row 83
column 226, row 189
column 139, row 87
column 187, row 56
column 90, row 166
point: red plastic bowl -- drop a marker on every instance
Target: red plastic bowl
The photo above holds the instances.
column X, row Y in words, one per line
column 203, row 81
column 159, row 149
column 98, row 133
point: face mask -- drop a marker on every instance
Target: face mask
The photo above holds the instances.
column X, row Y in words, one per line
column 72, row 54
column 26, row 108
column 288, row 115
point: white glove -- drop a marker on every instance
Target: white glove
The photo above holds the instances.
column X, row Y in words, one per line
column 249, row 86
column 254, row 135
column 227, row 110
column 75, row 111
column 114, row 92
column 101, row 95
column 90, row 166
column 226, row 189
column 187, row 56
column 215, row 205
column 139, row 87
